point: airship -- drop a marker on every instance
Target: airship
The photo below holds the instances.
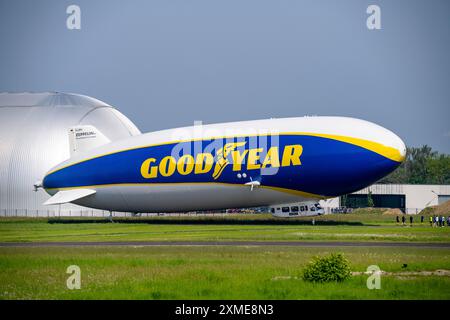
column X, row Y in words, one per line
column 243, row 164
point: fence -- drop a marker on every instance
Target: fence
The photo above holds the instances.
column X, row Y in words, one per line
column 103, row 213
column 58, row 213
column 332, row 210
column 93, row 213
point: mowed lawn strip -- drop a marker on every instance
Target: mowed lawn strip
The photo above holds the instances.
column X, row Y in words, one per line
column 28, row 230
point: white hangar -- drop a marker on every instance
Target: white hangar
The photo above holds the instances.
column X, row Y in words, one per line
column 410, row 198
column 34, row 138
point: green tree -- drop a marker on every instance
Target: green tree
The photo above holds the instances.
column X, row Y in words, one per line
column 439, row 169
column 344, row 200
column 421, row 166
column 418, row 169
column 370, row 203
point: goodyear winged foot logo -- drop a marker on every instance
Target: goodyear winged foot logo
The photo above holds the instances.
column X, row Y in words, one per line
column 222, row 157
column 230, row 154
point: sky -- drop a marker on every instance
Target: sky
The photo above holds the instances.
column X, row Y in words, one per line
column 168, row 63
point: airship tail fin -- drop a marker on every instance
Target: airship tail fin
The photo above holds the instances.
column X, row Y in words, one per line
column 84, row 138
column 66, row 196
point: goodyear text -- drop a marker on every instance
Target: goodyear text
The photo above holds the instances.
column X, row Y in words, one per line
column 231, row 154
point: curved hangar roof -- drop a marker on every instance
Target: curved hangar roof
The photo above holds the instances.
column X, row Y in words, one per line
column 34, row 138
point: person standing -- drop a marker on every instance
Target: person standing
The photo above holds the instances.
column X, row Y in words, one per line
column 397, row 219
column 403, row 220
column 421, row 219
column 411, row 220
column 431, row 221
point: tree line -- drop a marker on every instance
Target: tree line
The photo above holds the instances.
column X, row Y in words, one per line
column 421, row 166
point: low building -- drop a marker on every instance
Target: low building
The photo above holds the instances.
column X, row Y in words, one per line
column 410, row 198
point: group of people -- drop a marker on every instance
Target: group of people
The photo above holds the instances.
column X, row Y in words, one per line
column 435, row 221
column 404, row 219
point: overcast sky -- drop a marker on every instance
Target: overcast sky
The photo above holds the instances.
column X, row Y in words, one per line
column 167, row 63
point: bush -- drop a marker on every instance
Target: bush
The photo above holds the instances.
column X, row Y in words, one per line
column 327, row 269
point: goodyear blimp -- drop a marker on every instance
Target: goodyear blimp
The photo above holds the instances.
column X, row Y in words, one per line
column 228, row 165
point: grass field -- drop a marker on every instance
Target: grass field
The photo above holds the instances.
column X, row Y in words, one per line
column 257, row 227
column 217, row 272
column 212, row 273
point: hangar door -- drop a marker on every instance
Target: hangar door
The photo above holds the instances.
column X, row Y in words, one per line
column 379, row 201
column 443, row 198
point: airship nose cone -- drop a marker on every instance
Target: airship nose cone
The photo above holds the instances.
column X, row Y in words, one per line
column 396, row 143
column 401, row 147
column 371, row 153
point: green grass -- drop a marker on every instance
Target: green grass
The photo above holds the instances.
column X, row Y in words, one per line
column 235, row 272
column 189, row 229
column 216, row 272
